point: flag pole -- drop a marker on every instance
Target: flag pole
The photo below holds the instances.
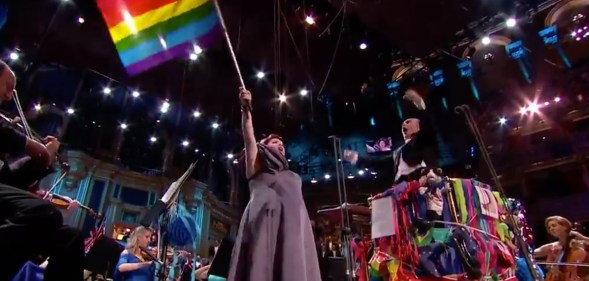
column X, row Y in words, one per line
column 231, row 51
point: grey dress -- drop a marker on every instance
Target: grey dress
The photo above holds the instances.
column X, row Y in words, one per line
column 275, row 239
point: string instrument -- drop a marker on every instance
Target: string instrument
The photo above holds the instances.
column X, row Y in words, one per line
column 149, row 255
column 64, row 202
column 36, row 137
column 571, row 254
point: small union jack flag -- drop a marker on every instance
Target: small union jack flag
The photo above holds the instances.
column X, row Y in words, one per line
column 98, row 231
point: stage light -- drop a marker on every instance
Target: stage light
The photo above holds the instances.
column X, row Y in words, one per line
column 136, row 94
column 502, row 121
column 185, row 143
column 523, row 110
column 486, row 40
column 310, row 20
column 81, row 20
column 123, row 126
column 350, row 176
column 313, row 180
column 282, row 98
column 196, row 114
column 153, row 139
column 363, row 46
column 510, row 22
column 215, row 125
column 165, row 107
column 373, row 173
column 235, row 161
column 327, row 176
column 260, row 75
column 230, row 156
column 197, row 50
column 106, row 90
column 533, row 108
column 37, row 107
column 193, row 56
column 361, row 172
column 70, row 111
column 14, row 56
column 557, row 99
column 196, row 150
column 304, row 92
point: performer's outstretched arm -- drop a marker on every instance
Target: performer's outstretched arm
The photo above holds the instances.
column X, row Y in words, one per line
column 249, row 139
column 421, row 136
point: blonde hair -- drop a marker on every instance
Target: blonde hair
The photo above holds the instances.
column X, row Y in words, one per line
column 132, row 243
column 560, row 220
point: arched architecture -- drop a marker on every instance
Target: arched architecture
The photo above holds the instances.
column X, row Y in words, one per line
column 124, row 196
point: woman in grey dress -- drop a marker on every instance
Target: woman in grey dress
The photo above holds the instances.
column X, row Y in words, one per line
column 275, row 240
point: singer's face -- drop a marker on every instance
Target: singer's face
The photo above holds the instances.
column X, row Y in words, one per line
column 277, row 144
column 145, row 239
column 410, row 127
column 556, row 229
column 7, row 83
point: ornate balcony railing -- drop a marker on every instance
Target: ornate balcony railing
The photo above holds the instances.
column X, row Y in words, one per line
column 573, row 207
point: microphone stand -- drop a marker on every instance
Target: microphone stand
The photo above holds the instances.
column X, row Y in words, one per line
column 160, row 210
column 343, row 201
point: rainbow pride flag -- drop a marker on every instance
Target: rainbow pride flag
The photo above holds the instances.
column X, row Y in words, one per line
column 148, row 33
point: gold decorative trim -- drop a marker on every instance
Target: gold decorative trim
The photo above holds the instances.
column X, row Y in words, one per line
column 498, row 40
column 561, row 8
column 399, row 72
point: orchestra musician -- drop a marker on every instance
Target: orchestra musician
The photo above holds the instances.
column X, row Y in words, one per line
column 569, row 248
column 25, row 217
column 132, row 265
column 213, row 248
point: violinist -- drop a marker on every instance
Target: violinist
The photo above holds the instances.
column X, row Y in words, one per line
column 23, row 216
column 132, row 266
column 568, row 249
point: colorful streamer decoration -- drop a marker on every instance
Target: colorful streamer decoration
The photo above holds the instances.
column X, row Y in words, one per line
column 151, row 32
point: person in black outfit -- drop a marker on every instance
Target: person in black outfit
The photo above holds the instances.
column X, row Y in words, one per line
column 30, row 226
column 213, row 248
column 416, row 154
column 102, row 257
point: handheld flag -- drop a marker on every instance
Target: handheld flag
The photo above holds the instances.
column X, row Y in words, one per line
column 147, row 33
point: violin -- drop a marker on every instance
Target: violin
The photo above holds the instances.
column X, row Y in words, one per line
column 64, row 202
column 571, row 254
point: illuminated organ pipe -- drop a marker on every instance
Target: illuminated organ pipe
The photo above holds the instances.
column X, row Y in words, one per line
column 465, row 68
column 517, row 51
column 550, row 37
column 437, row 80
column 393, row 88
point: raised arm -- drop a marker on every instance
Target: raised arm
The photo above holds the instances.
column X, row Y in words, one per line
column 251, row 148
column 414, row 97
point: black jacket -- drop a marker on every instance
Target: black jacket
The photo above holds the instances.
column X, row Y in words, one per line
column 421, row 148
column 21, row 173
